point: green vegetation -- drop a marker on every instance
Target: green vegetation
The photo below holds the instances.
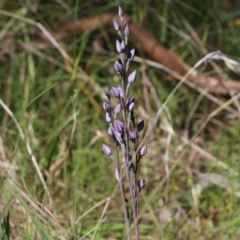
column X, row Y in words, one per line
column 54, row 131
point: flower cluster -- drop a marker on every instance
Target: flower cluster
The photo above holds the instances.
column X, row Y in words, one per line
column 123, row 128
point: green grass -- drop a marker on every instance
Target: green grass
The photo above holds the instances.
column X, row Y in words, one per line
column 61, row 116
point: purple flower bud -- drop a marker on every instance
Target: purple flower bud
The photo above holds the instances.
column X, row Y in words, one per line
column 132, row 76
column 118, row 67
column 107, row 92
column 131, row 103
column 132, row 136
column 118, row 125
column 140, row 126
column 108, row 117
column 106, row 106
column 118, row 47
column 120, row 12
column 131, row 55
column 107, row 150
column 115, row 25
column 131, row 106
column 143, row 151
column 131, row 99
column 126, row 31
column 121, row 92
column 117, row 174
column 123, row 46
column 115, row 92
column 110, row 131
column 118, row 136
column 141, row 184
column 117, row 109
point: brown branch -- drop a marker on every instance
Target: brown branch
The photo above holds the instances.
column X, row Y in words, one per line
column 215, row 85
column 149, row 44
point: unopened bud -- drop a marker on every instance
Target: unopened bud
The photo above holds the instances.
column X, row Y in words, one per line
column 118, row 67
column 131, row 55
column 126, row 31
column 123, row 46
column 115, row 92
column 141, row 184
column 118, row 137
column 132, row 136
column 143, row 151
column 131, row 106
column 118, row 125
column 115, row 25
column 117, row 109
column 120, row 12
column 132, row 76
column 108, row 117
column 118, row 47
column 110, row 131
column 106, row 106
column 107, row 92
column 107, row 150
column 121, row 92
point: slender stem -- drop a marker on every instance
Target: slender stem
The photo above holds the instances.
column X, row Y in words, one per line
column 131, row 164
column 121, row 186
column 131, row 180
column 126, row 215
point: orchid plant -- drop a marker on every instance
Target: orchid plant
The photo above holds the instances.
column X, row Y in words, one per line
column 124, row 131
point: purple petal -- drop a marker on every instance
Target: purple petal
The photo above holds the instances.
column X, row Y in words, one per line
column 115, row 25
column 123, row 46
column 118, row 67
column 107, row 92
column 118, row 47
column 107, row 150
column 132, row 76
column 118, row 137
column 131, row 106
column 115, row 92
column 143, row 151
column 141, row 184
column 121, row 92
column 117, row 109
column 131, row 102
column 131, row 99
column 106, row 106
column 108, row 117
column 132, row 136
column 131, row 55
column 120, row 12
column 118, row 125
column 110, row 131
column 126, row 31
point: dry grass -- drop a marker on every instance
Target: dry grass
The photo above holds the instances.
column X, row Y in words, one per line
column 56, row 183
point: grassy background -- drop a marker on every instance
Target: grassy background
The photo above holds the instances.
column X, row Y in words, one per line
column 61, row 116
